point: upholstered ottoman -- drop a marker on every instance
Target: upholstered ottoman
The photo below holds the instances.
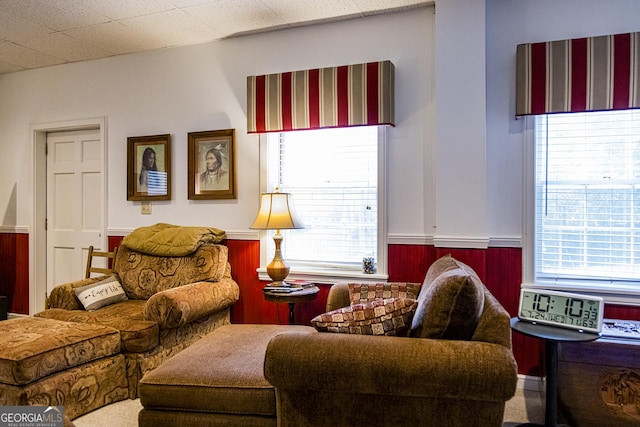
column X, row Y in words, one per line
column 218, row 381
column 55, row 363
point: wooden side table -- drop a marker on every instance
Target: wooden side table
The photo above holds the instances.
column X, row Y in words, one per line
column 306, row 294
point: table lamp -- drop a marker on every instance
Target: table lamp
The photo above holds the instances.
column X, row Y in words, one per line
column 277, row 213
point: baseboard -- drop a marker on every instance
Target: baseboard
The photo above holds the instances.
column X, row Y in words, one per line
column 531, row 383
column 16, row 315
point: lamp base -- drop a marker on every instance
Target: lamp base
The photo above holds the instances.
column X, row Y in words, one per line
column 277, row 269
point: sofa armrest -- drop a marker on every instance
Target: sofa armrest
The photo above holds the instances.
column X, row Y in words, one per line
column 64, row 296
column 364, row 364
column 176, row 307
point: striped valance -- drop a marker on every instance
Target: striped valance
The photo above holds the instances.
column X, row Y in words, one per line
column 350, row 95
column 586, row 74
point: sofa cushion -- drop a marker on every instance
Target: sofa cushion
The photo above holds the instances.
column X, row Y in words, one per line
column 100, row 294
column 379, row 317
column 364, row 292
column 143, row 275
column 33, row 348
column 137, row 334
column 451, row 305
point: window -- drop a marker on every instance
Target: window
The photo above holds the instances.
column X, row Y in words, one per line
column 334, row 176
column 587, row 200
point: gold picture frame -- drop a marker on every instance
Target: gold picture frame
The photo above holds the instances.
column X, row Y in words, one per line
column 149, row 167
column 212, row 164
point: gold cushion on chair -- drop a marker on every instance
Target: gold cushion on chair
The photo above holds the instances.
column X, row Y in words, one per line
column 33, row 348
column 137, row 334
column 144, row 275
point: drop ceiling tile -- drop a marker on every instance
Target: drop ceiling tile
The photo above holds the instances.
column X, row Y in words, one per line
column 27, row 58
column 187, row 3
column 173, row 28
column 58, row 14
column 9, row 68
column 20, row 30
column 115, row 37
column 302, row 11
column 235, row 16
column 123, row 9
column 68, row 48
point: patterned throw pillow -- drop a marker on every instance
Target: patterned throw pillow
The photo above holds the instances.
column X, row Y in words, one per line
column 365, row 292
column 100, row 294
column 379, row 317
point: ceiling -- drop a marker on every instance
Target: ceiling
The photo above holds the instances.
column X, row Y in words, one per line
column 42, row 33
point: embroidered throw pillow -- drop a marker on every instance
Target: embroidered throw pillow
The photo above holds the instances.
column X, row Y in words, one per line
column 379, row 317
column 364, row 292
column 100, row 294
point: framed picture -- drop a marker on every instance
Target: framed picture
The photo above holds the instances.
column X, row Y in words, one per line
column 149, row 167
column 212, row 171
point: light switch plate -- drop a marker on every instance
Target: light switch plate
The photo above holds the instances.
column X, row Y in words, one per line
column 145, row 208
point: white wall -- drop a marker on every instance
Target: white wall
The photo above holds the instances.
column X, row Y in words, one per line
column 455, row 157
column 509, row 23
column 203, row 87
column 460, row 163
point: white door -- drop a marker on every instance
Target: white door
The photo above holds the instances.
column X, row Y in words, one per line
column 75, row 203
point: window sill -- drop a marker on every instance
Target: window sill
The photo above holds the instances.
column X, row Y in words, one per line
column 612, row 293
column 327, row 276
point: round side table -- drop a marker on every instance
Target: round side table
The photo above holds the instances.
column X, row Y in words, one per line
column 552, row 336
column 298, row 296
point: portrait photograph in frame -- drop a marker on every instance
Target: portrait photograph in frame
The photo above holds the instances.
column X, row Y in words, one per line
column 211, row 168
column 149, row 167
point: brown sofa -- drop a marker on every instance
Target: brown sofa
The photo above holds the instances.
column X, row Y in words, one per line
column 456, row 368
column 172, row 301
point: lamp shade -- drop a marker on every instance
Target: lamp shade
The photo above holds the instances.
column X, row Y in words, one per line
column 276, row 213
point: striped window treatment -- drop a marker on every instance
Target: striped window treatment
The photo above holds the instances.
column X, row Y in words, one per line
column 350, row 95
column 578, row 75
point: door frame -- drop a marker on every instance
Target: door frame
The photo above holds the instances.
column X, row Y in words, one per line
column 38, row 233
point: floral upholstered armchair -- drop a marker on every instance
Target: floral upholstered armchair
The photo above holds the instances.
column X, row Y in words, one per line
column 160, row 303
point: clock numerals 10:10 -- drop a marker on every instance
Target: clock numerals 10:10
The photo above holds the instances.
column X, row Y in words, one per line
column 572, row 307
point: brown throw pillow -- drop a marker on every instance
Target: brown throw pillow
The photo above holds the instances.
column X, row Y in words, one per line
column 365, row 292
column 441, row 265
column 380, row 317
column 451, row 306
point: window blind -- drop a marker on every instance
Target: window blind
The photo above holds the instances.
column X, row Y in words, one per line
column 588, row 196
column 332, row 174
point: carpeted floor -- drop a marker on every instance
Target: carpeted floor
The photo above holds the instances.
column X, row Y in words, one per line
column 526, row 406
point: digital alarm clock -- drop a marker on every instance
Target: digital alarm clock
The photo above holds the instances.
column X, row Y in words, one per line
column 562, row 309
